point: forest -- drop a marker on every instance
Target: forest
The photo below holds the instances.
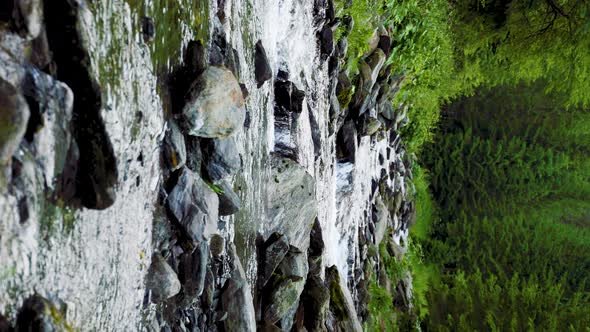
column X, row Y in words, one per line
column 499, row 95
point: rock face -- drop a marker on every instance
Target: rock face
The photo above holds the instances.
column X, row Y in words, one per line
column 262, row 69
column 194, row 205
column 215, row 104
column 289, row 182
column 162, row 280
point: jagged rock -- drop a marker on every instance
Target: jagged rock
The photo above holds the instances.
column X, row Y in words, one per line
column 14, row 115
column 315, row 133
column 381, row 219
column 370, row 125
column 221, row 157
column 288, row 98
column 40, row 315
column 28, row 16
column 96, row 174
column 262, row 69
column 284, row 295
column 376, row 61
column 237, row 301
column 215, row 104
column 217, row 245
column 174, row 147
column 341, row 305
column 293, row 265
column 193, row 269
column 162, row 281
column 316, row 245
column 209, row 290
column 315, row 300
column 229, row 202
column 326, row 36
column 276, row 248
column 148, row 29
column 346, row 142
column 289, row 182
column 194, row 155
column 194, row 205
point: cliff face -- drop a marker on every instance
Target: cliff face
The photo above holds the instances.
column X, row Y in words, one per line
column 192, row 166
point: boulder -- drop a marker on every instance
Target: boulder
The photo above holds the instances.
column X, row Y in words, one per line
column 381, row 219
column 237, row 300
column 217, row 245
column 192, row 270
column 28, row 17
column 376, row 61
column 343, row 90
column 194, row 205
column 262, row 70
column 315, row 300
column 276, row 248
column 346, row 142
column 229, row 202
column 40, row 315
column 161, row 280
column 291, row 201
column 283, row 296
column 293, row 265
column 214, row 104
column 14, row 116
column 221, row 157
column 174, row 147
column 326, row 37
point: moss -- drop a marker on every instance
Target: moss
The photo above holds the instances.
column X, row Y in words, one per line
column 345, row 96
column 215, row 188
column 337, row 300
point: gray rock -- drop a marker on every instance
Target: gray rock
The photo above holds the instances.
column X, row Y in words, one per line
column 217, row 245
column 29, row 16
column 14, row 116
column 221, row 157
column 194, row 205
column 276, row 248
column 315, row 300
column 40, row 315
column 174, row 147
column 193, row 269
column 326, row 36
column 229, row 202
column 376, row 61
column 161, row 279
column 291, row 201
column 284, row 295
column 346, row 142
column 341, row 305
column 262, row 69
column 293, row 265
column 382, row 218
column 215, row 104
column 237, row 300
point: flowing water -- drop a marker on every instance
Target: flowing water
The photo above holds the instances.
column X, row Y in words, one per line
column 97, row 266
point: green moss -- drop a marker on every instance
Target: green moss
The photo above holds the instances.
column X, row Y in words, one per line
column 337, row 300
column 345, row 96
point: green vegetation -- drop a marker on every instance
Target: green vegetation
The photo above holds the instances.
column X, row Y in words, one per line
column 497, row 98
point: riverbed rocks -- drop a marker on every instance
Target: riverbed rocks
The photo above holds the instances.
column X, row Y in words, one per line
column 215, row 105
column 262, row 70
column 162, row 281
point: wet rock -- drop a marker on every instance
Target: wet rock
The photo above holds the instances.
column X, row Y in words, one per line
column 97, row 175
column 40, row 315
column 148, row 29
column 370, row 125
column 341, row 48
column 174, row 147
column 5, row 325
column 194, row 155
column 381, row 219
column 316, row 246
column 28, row 17
column 376, row 61
column 237, row 301
column 209, row 292
column 229, row 202
column 195, row 58
column 14, row 116
column 315, row 300
column 289, row 182
column 194, row 205
column 193, row 269
column 326, row 36
column 217, row 245
column 343, row 90
column 162, row 281
column 341, row 305
column 293, row 265
column 215, row 105
column 284, row 295
column 288, row 98
column 346, row 142
column 262, row 69
column 245, row 94
column 276, row 248
column 315, row 134
column 220, row 157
